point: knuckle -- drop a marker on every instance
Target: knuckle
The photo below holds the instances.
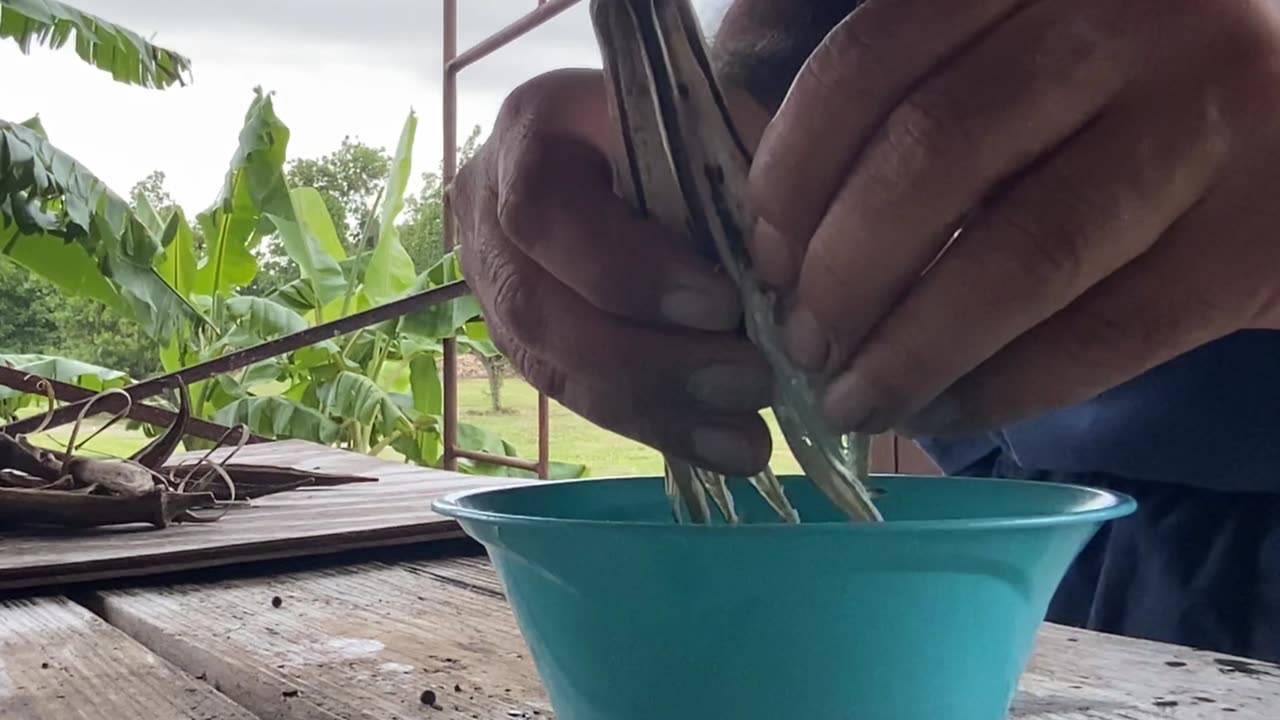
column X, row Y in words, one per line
column 1049, row 260
column 513, row 302
column 526, row 101
column 921, row 130
column 846, row 48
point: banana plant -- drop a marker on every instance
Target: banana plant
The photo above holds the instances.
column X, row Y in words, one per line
column 57, row 218
column 183, row 279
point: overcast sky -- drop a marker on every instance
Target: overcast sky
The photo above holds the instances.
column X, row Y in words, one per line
column 337, row 68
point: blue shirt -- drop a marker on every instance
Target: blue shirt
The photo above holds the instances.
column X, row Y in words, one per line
column 1210, row 418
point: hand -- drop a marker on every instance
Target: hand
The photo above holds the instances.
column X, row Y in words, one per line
column 1113, row 165
column 610, row 314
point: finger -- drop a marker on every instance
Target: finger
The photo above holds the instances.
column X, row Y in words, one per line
column 557, row 205
column 692, row 391
column 735, row 443
column 1099, row 202
column 939, row 154
column 841, row 95
column 1168, row 302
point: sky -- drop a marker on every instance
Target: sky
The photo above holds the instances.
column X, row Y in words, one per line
column 337, row 68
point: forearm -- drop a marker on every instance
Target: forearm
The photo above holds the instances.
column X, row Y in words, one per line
column 762, row 44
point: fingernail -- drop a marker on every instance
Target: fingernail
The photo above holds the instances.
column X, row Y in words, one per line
column 721, row 448
column 702, row 309
column 849, row 402
column 734, row 388
column 771, row 252
column 806, row 342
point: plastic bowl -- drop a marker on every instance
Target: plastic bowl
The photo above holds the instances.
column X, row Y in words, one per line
column 931, row 615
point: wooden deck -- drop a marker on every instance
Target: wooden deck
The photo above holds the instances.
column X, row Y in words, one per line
column 365, row 636
column 395, row 510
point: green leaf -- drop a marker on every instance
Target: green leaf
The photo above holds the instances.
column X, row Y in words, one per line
column 424, row 379
column 356, row 397
column 309, row 208
column 391, row 271
column 566, row 471
column 324, row 278
column 255, row 184
column 86, row 375
column 421, row 447
column 260, row 319
column 279, row 418
column 177, row 265
column 171, row 355
column 61, row 222
column 129, row 58
column 75, row 372
column 147, row 214
column 442, row 320
column 300, row 296
column 263, row 318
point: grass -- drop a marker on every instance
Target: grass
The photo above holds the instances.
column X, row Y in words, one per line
column 573, row 439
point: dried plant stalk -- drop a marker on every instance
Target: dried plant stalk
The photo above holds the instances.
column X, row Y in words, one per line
column 687, row 168
column 44, row 487
column 78, row 510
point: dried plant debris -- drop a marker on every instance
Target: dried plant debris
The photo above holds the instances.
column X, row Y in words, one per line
column 41, row 487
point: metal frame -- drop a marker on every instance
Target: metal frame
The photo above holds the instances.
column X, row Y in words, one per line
column 455, row 63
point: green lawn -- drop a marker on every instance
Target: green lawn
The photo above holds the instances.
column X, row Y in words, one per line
column 572, row 438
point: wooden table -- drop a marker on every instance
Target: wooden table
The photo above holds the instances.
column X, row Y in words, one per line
column 363, row 637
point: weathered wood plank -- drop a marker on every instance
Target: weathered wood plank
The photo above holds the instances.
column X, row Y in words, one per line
column 395, row 510
column 58, row 661
column 356, row 644
column 364, row 642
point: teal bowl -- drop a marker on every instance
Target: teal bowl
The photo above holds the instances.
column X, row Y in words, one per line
column 931, row 615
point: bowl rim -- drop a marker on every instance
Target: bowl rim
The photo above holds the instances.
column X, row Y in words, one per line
column 1110, row 505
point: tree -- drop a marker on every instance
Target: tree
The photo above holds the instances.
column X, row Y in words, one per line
column 349, row 179
column 97, row 334
column 152, row 188
column 26, row 326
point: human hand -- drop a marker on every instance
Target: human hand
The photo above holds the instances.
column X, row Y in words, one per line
column 610, row 314
column 1113, row 165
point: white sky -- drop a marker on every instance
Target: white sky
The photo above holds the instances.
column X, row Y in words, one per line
column 337, row 68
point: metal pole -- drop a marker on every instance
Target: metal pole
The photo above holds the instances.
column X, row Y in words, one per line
column 544, row 437
column 449, row 456
column 546, row 10
column 453, row 64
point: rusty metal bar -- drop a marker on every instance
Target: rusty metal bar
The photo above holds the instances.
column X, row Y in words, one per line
column 453, row 64
column 544, row 437
column 66, row 392
column 257, row 353
column 449, row 443
column 546, row 10
column 516, row 463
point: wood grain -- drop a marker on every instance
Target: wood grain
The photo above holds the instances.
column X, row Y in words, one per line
column 356, row 643
column 364, row 641
column 395, row 510
column 58, row 661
